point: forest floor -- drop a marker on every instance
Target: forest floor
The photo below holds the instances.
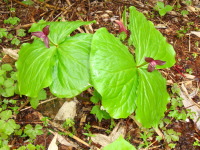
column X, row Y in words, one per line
column 178, row 28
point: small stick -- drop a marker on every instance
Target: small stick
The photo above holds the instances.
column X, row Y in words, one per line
column 39, row 103
column 189, row 44
column 21, row 3
column 57, row 126
column 68, row 2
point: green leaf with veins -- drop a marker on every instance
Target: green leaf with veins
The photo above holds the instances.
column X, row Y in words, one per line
column 126, row 85
column 148, row 41
column 58, row 31
column 113, row 73
column 64, row 67
column 152, row 98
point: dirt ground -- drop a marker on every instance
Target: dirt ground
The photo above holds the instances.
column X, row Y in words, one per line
column 105, row 12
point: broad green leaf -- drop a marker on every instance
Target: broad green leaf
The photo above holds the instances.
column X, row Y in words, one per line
column 119, row 144
column 64, row 68
column 71, row 70
column 35, row 66
column 58, row 30
column 152, row 98
column 148, row 41
column 113, row 73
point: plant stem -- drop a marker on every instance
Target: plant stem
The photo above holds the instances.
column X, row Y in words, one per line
column 142, row 64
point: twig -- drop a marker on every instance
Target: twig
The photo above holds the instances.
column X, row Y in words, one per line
column 50, row 6
column 57, row 126
column 189, row 44
column 48, row 100
column 68, row 2
column 21, row 3
column 23, row 105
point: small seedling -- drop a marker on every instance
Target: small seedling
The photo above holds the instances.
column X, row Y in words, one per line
column 184, row 12
column 189, row 70
column 7, row 81
column 195, row 55
column 12, row 20
column 196, row 143
column 87, row 128
column 28, row 2
column 32, row 132
column 145, row 138
column 100, row 114
column 69, row 123
column 162, row 9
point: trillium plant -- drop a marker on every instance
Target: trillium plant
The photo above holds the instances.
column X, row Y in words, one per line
column 127, row 82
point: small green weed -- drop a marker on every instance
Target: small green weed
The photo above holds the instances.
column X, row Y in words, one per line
column 28, row 2
column 162, row 9
column 189, row 70
column 32, row 132
column 12, row 20
column 8, row 86
column 184, row 12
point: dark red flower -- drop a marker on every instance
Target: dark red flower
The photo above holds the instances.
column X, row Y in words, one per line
column 153, row 63
column 43, row 35
column 122, row 28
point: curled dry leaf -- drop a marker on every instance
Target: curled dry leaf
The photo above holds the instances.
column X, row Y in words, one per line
column 11, row 52
column 190, row 104
column 53, row 145
column 197, row 33
column 104, row 140
column 61, row 140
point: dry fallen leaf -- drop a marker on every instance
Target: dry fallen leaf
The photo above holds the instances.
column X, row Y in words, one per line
column 61, row 140
column 104, row 140
column 53, row 145
column 197, row 33
column 193, row 9
column 190, row 104
column 67, row 111
column 11, row 52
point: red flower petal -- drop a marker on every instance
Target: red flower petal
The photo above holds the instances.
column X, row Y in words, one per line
column 150, row 68
column 149, row 59
column 45, row 30
column 46, row 41
column 38, row 34
column 160, row 62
